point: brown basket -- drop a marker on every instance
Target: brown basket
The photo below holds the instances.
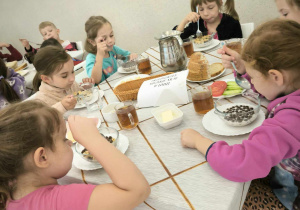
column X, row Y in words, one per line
column 129, row 90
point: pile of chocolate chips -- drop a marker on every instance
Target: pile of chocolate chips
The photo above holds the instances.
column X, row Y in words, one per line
column 109, row 139
column 239, row 113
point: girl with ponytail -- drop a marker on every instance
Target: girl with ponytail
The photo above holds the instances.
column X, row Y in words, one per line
column 212, row 20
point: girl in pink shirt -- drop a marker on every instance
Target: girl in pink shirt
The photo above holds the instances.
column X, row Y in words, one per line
column 34, row 154
column 272, row 61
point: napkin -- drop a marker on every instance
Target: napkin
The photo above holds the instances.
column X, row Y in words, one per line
column 167, row 89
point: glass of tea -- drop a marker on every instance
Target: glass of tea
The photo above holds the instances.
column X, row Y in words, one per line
column 235, row 44
column 143, row 65
column 127, row 115
column 188, row 46
column 202, row 99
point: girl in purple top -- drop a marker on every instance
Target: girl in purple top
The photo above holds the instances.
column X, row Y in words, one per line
column 35, row 153
column 272, row 61
column 12, row 86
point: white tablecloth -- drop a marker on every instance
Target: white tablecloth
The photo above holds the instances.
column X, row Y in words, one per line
column 180, row 178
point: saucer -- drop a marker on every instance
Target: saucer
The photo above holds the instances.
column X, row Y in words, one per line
column 83, row 164
column 214, row 43
column 121, row 70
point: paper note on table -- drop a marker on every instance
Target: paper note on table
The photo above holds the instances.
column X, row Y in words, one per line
column 167, row 89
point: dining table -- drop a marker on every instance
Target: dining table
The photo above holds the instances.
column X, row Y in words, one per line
column 180, row 178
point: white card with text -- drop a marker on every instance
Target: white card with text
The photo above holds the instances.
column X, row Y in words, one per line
column 167, row 89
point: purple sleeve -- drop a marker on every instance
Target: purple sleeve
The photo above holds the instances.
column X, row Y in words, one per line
column 277, row 139
column 19, row 83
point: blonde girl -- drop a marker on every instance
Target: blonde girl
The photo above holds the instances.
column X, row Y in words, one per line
column 33, row 156
column 211, row 20
column 272, row 60
column 101, row 61
column 55, row 79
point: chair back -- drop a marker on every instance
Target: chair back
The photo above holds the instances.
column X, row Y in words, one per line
column 79, row 45
column 79, row 53
column 247, row 29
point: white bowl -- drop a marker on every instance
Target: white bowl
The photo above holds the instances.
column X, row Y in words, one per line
column 109, row 112
column 176, row 112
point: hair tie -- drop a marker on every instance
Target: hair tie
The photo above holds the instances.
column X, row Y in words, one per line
column 1, row 77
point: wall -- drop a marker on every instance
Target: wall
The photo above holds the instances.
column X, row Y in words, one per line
column 135, row 22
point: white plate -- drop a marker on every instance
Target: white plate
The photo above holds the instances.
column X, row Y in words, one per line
column 228, row 96
column 214, row 43
column 121, row 70
column 23, row 72
column 212, row 78
column 96, row 93
column 214, row 124
column 83, row 164
column 133, row 77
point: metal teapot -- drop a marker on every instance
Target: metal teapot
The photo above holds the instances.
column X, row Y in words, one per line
column 172, row 55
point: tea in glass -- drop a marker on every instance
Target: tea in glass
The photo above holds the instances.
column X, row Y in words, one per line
column 202, row 99
column 188, row 47
column 143, row 65
column 127, row 115
column 234, row 44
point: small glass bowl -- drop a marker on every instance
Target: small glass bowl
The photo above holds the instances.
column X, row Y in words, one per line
column 86, row 94
column 129, row 66
column 238, row 114
column 203, row 41
column 106, row 132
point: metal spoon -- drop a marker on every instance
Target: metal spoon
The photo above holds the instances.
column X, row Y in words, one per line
column 198, row 33
column 241, row 81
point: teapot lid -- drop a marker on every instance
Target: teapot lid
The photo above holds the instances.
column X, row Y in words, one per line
column 168, row 34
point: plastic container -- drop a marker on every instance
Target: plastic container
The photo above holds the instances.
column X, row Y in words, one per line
column 238, row 114
column 109, row 112
column 176, row 112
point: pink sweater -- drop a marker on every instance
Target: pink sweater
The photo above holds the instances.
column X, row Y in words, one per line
column 53, row 95
column 51, row 197
column 276, row 139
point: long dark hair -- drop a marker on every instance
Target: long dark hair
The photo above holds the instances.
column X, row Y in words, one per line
column 5, row 89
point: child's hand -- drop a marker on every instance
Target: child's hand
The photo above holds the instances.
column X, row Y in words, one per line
column 69, row 102
column 229, row 55
column 192, row 17
column 82, row 127
column 101, row 48
column 189, row 137
column 2, row 44
column 25, row 43
column 192, row 139
column 132, row 56
column 90, row 80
